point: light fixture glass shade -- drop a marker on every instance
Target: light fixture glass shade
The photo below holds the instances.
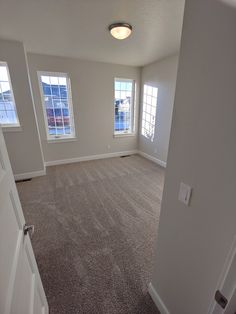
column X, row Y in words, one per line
column 120, row 30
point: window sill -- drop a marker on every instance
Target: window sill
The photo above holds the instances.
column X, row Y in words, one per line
column 9, row 128
column 124, row 135
column 62, row 140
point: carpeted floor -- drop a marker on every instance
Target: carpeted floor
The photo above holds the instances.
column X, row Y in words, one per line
column 95, row 228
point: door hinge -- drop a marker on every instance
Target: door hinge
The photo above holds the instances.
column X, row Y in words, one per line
column 221, row 299
column 28, row 229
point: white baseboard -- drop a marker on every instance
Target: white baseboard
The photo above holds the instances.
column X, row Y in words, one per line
column 154, row 159
column 157, row 299
column 87, row 158
column 29, row 175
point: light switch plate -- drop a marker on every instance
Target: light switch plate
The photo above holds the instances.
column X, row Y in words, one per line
column 185, row 193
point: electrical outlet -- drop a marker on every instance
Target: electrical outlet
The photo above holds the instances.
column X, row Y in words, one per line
column 185, row 193
column 108, row 147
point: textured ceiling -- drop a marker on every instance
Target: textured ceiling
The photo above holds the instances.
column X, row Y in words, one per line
column 78, row 28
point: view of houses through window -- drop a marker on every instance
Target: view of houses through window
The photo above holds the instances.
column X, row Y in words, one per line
column 57, row 105
column 8, row 114
column 124, row 106
column 149, row 111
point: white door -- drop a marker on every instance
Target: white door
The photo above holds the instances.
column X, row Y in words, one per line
column 226, row 291
column 21, row 290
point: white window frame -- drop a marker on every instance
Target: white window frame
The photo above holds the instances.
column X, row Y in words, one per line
column 63, row 137
column 133, row 101
column 10, row 126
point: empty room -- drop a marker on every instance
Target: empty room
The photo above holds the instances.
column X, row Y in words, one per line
column 117, row 157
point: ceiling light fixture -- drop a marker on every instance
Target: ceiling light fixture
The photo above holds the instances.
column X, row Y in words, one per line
column 120, row 30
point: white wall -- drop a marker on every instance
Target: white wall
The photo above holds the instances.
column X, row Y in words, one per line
column 193, row 241
column 92, row 92
column 23, row 146
column 162, row 75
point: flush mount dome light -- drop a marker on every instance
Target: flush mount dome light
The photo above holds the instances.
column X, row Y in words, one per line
column 120, row 30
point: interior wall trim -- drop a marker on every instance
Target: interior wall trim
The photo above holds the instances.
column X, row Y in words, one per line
column 154, row 159
column 157, row 299
column 29, row 175
column 91, row 157
column 33, row 174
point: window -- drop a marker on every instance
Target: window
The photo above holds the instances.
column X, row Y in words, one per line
column 57, row 105
column 149, row 111
column 124, row 106
column 8, row 114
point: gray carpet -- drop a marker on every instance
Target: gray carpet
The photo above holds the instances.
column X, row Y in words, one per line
column 95, row 228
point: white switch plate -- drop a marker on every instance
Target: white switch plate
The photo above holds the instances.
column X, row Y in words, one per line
column 185, row 193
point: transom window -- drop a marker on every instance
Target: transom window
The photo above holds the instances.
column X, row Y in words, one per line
column 124, row 106
column 149, row 111
column 8, row 113
column 57, row 105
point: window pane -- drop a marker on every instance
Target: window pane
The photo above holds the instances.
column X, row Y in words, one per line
column 62, row 81
column 45, row 79
column 3, row 74
column 57, row 105
column 48, row 101
column 64, row 103
column 8, row 117
column 66, row 119
column 56, row 102
column 54, row 80
column 123, row 86
column 52, row 131
column 7, row 96
column 55, row 91
column 46, row 89
column 9, row 106
column 8, row 113
column 65, row 113
column 122, row 95
column 117, row 85
column 63, row 91
column 57, row 112
column 50, row 117
column 3, row 117
column 129, row 86
column 117, row 94
column 68, row 130
column 60, row 131
column 11, row 115
column 5, row 87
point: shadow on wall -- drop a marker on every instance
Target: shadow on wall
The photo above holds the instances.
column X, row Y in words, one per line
column 149, row 112
column 231, row 3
